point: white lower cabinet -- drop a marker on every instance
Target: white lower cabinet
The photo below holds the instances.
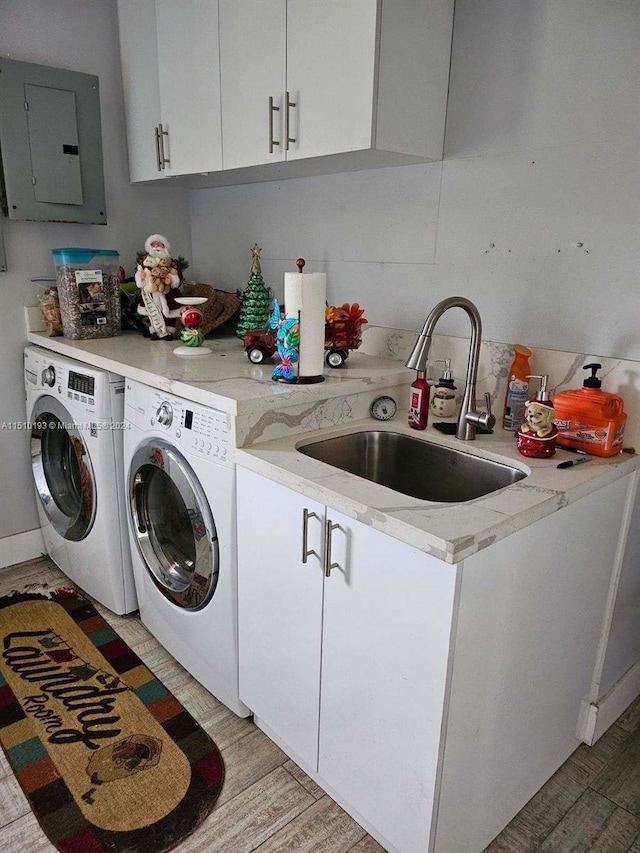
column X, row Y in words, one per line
column 430, row 700
column 346, row 667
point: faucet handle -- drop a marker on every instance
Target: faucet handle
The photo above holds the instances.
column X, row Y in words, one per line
column 487, row 420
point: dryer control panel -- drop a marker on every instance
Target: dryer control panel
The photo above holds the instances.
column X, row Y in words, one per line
column 196, row 429
column 89, row 391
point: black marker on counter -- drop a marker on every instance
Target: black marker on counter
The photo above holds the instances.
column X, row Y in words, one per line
column 570, row 462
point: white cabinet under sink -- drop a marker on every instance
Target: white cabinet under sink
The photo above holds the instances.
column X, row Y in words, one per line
column 431, row 700
column 171, row 76
column 363, row 632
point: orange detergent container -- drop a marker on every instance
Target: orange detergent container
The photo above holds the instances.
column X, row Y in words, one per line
column 590, row 419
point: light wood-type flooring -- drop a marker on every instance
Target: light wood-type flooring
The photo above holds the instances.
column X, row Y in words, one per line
column 267, row 804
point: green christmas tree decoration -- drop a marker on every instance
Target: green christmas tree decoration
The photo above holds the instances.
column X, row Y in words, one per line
column 254, row 313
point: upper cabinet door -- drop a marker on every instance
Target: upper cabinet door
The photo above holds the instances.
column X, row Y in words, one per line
column 139, row 58
column 298, row 78
column 253, row 71
column 331, row 75
column 189, row 78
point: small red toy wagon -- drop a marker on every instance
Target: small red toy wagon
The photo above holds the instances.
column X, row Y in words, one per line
column 342, row 333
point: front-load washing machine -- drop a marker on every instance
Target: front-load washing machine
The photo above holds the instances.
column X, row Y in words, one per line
column 75, row 416
column 180, row 480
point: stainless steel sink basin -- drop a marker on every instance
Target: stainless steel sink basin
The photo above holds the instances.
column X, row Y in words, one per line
column 413, row 467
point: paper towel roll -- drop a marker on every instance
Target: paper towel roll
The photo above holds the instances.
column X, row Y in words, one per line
column 307, row 293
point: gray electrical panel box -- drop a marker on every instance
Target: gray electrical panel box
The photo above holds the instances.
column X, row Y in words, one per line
column 51, row 144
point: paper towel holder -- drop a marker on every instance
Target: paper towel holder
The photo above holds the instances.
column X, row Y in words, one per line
column 292, row 329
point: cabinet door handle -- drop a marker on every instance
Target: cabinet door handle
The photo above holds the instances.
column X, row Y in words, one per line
column 328, row 565
column 288, row 103
column 306, row 515
column 160, row 133
column 158, row 156
column 272, row 110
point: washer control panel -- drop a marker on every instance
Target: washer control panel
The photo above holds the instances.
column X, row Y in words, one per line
column 164, row 415
column 197, row 429
column 49, row 376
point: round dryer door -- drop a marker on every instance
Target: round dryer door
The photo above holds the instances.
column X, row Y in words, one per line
column 62, row 470
column 173, row 525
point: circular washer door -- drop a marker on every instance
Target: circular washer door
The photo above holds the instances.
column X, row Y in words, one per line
column 173, row 525
column 62, row 470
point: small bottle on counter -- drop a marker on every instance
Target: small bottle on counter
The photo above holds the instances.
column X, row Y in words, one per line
column 419, row 401
column 443, row 399
column 537, row 435
column 517, row 388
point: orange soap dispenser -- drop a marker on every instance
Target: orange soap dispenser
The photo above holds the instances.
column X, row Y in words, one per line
column 590, row 419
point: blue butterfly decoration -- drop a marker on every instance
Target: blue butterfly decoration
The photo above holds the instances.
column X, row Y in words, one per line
column 287, row 343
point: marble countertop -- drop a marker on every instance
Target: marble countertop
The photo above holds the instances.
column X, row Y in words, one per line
column 225, row 379
column 449, row 531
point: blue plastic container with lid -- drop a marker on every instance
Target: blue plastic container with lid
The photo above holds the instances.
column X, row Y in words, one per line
column 89, row 291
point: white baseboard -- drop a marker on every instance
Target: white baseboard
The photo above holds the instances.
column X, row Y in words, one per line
column 596, row 717
column 21, row 547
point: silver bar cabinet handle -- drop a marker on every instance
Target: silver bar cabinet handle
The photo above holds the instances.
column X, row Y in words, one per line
column 158, row 158
column 288, row 103
column 272, row 110
column 164, row 160
column 306, row 515
column 328, row 565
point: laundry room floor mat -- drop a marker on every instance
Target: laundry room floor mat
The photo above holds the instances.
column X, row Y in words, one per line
column 108, row 759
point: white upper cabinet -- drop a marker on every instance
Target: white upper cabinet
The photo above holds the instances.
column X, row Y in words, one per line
column 189, row 71
column 141, row 85
column 331, row 76
column 171, row 86
column 223, row 85
column 302, row 79
column 253, row 71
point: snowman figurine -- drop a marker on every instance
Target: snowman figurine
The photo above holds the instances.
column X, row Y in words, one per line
column 443, row 396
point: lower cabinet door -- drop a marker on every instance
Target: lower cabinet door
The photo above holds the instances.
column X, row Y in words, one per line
column 388, row 612
column 349, row 671
column 280, row 610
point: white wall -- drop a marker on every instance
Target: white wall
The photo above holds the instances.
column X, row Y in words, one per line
column 533, row 214
column 80, row 35
column 541, row 154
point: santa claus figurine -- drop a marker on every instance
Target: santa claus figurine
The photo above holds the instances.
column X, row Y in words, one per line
column 159, row 283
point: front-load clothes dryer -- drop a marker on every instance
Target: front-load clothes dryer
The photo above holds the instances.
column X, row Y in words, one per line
column 180, row 480
column 75, row 417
